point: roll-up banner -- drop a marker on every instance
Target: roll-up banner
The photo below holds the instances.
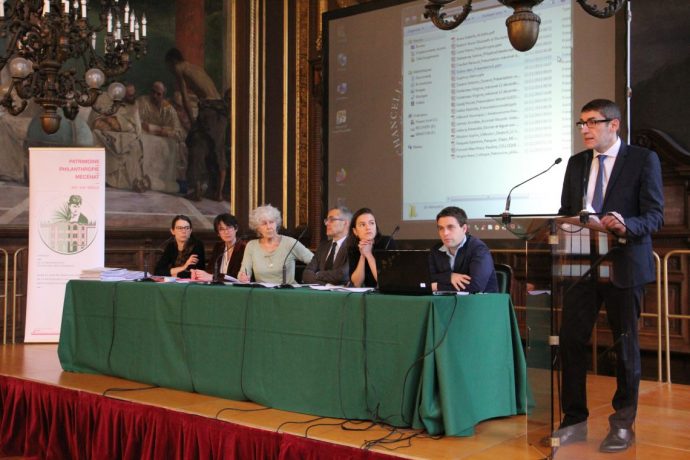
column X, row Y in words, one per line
column 66, row 230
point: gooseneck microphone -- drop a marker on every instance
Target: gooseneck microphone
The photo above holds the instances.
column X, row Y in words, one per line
column 506, row 213
column 217, row 276
column 284, row 284
column 146, row 276
column 146, row 264
column 585, row 179
column 390, row 238
column 584, row 212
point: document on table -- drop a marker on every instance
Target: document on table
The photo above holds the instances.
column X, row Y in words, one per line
column 333, row 287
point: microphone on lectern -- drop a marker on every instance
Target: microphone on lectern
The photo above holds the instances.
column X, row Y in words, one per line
column 585, row 213
column 506, row 213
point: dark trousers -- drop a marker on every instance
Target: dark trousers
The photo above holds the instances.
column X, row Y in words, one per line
column 580, row 310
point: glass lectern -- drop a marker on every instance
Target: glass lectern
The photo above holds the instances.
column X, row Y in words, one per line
column 559, row 253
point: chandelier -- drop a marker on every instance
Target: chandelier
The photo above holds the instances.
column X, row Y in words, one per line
column 47, row 41
column 523, row 24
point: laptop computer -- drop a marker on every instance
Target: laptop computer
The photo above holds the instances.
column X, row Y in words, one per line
column 403, row 272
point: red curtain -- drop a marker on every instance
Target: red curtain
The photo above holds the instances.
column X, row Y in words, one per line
column 46, row 422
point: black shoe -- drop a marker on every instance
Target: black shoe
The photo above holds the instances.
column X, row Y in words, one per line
column 618, row 440
column 568, row 435
column 571, row 434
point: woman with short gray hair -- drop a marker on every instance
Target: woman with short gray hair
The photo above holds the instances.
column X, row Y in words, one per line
column 265, row 257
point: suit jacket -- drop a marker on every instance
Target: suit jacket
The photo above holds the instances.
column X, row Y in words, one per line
column 339, row 274
column 235, row 258
column 473, row 258
column 635, row 191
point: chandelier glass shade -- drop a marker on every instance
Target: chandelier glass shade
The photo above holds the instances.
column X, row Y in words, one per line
column 52, row 54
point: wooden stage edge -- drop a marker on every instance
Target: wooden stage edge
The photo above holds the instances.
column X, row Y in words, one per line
column 661, row 428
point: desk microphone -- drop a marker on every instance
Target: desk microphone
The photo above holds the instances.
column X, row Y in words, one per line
column 217, row 276
column 390, row 238
column 284, row 283
column 506, row 213
column 146, row 277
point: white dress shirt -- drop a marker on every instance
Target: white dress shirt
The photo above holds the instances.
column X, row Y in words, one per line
column 611, row 155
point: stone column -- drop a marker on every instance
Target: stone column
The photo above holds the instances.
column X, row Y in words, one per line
column 190, row 30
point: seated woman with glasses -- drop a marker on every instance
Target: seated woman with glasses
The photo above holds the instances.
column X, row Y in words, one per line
column 227, row 253
column 183, row 252
column 365, row 238
column 265, row 257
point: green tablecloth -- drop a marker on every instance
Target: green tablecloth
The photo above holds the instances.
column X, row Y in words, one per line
column 438, row 363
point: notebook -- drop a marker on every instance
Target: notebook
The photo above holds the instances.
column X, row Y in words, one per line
column 403, row 272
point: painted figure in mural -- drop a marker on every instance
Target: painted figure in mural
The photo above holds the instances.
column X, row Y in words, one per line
column 125, row 120
column 14, row 158
column 207, row 134
column 120, row 134
column 182, row 116
column 158, row 116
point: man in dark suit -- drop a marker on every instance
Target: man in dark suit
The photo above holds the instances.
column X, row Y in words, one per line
column 460, row 262
column 621, row 183
column 330, row 262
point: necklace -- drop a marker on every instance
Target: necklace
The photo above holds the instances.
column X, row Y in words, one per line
column 273, row 246
column 226, row 254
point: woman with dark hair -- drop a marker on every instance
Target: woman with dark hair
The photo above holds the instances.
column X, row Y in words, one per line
column 227, row 253
column 365, row 238
column 183, row 252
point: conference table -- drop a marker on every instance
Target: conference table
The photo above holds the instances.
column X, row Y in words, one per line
column 438, row 363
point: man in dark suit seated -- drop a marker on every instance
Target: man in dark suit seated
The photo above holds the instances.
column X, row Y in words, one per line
column 460, row 262
column 330, row 263
column 621, row 183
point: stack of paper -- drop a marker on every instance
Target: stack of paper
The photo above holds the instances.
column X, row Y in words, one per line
column 110, row 274
column 97, row 273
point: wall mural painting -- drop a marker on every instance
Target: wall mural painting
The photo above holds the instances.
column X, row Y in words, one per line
column 166, row 149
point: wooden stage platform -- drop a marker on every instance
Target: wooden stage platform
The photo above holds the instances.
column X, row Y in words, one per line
column 662, row 423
